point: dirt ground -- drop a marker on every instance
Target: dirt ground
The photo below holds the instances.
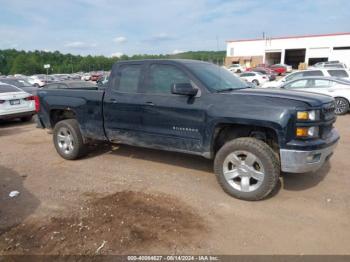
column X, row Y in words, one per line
column 123, row 199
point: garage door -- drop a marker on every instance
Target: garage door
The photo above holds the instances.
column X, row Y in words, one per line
column 342, row 56
column 318, row 52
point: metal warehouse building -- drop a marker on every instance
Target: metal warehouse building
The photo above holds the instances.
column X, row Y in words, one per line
column 291, row 50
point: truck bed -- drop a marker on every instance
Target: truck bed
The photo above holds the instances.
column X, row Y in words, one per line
column 85, row 103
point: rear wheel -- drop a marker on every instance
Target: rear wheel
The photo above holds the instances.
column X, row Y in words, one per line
column 256, row 82
column 247, row 168
column 341, row 106
column 68, row 140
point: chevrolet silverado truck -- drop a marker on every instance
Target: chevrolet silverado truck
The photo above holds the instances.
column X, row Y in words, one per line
column 198, row 108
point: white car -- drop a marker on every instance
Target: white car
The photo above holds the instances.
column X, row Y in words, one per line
column 236, row 68
column 331, row 64
column 335, row 87
column 86, row 77
column 36, row 80
column 15, row 103
column 256, row 78
column 328, row 72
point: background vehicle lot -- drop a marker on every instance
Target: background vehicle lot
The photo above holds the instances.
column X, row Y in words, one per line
column 309, row 214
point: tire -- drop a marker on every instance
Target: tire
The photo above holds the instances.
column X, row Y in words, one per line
column 341, row 106
column 266, row 167
column 36, row 85
column 68, row 140
column 256, row 82
column 238, row 71
column 26, row 118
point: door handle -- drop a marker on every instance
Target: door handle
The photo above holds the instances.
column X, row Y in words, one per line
column 149, row 103
column 114, row 101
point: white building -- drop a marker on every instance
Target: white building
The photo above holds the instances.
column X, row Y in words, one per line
column 291, row 50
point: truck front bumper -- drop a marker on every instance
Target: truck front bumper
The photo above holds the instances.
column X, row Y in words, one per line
column 298, row 161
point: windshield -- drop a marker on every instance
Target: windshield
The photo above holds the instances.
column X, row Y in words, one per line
column 216, row 78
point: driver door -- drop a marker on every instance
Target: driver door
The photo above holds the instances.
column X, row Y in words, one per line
column 170, row 120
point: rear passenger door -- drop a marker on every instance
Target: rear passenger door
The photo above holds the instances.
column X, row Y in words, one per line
column 122, row 103
column 172, row 121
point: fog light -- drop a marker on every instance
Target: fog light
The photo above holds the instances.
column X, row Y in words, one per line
column 305, row 132
column 302, row 132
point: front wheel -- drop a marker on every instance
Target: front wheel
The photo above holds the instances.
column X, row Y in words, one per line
column 68, row 139
column 247, row 168
column 341, row 106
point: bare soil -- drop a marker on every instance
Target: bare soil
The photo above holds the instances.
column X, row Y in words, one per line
column 125, row 221
column 123, row 200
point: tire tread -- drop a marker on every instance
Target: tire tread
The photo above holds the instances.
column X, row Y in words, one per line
column 260, row 146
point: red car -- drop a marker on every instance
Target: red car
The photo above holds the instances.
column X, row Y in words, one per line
column 279, row 69
column 95, row 77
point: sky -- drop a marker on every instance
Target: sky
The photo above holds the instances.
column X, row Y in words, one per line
column 115, row 27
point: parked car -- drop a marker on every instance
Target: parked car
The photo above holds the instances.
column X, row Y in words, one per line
column 61, row 77
column 330, row 72
column 77, row 84
column 256, row 78
column 197, row 108
column 37, row 80
column 331, row 65
column 236, row 68
column 323, row 64
column 74, row 77
column 21, row 84
column 86, row 77
column 335, row 87
column 95, row 76
column 281, row 69
column 15, row 103
column 265, row 71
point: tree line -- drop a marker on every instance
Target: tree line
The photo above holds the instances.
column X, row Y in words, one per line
column 32, row 62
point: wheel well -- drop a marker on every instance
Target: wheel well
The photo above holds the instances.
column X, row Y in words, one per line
column 57, row 115
column 342, row 98
column 224, row 133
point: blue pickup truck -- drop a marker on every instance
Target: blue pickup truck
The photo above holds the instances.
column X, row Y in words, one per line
column 197, row 108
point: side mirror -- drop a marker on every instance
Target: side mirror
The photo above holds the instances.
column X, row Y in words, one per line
column 183, row 89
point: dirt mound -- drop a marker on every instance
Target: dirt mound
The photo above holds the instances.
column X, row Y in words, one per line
column 124, row 222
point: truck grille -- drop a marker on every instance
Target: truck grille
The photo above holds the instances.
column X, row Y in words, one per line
column 328, row 111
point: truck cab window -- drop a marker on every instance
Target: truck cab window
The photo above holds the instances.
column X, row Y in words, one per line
column 129, row 78
column 163, row 76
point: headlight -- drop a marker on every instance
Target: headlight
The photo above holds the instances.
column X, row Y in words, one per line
column 308, row 115
column 307, row 132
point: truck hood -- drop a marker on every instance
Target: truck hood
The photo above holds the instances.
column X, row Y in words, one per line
column 313, row 99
